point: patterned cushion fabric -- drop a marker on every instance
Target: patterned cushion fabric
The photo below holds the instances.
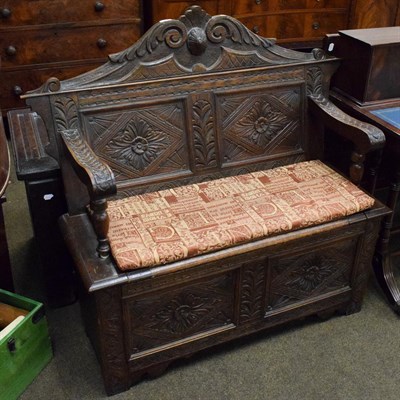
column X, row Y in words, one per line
column 160, row 227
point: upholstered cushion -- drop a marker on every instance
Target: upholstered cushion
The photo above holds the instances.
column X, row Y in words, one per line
column 158, row 228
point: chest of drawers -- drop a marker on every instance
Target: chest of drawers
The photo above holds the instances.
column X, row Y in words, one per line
column 297, row 23
column 41, row 38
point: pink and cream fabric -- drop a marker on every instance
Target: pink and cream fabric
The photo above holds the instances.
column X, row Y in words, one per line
column 161, row 227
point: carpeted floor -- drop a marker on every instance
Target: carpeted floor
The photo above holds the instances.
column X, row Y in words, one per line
column 346, row 357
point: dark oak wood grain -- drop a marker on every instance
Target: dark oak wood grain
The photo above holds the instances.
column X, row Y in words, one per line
column 193, row 100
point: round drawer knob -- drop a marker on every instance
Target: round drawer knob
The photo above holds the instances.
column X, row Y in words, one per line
column 256, row 29
column 101, row 43
column 11, row 51
column 99, row 6
column 5, row 13
column 316, row 26
column 17, row 90
column 258, row 2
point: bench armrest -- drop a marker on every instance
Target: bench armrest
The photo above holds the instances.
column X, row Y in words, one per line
column 98, row 178
column 95, row 173
column 365, row 137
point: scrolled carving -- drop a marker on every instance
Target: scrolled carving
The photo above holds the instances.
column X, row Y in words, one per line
column 319, row 54
column 171, row 32
column 223, row 27
column 375, row 136
column 51, row 85
column 99, row 173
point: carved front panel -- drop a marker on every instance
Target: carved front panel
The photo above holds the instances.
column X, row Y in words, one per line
column 141, row 141
column 311, row 273
column 261, row 125
column 252, row 298
column 164, row 318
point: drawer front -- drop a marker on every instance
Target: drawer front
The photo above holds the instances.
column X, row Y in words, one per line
column 15, row 83
column 256, row 6
column 33, row 12
column 162, row 9
column 296, row 26
column 38, row 46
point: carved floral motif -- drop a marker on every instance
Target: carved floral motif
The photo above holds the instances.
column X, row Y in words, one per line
column 310, row 275
column 137, row 145
column 183, row 312
column 262, row 123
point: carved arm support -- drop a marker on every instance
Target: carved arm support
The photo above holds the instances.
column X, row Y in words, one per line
column 99, row 180
column 365, row 137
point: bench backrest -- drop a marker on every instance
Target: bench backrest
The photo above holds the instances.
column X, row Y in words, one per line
column 195, row 97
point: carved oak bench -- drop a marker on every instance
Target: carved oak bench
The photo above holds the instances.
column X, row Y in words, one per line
column 200, row 208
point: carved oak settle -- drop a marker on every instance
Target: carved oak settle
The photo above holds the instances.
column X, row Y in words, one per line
column 194, row 100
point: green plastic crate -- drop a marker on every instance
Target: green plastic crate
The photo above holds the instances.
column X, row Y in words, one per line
column 26, row 350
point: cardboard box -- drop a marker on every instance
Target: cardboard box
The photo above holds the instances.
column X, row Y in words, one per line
column 25, row 349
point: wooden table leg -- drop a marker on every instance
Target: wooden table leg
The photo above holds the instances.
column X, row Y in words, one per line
column 383, row 264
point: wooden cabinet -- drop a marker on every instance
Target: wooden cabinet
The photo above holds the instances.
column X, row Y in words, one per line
column 41, row 38
column 295, row 23
column 374, row 14
column 63, row 38
column 162, row 9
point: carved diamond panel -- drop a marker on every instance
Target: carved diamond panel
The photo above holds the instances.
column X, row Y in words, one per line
column 261, row 125
column 307, row 275
column 162, row 318
column 140, row 142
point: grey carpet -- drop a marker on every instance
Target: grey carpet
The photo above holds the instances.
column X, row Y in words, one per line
column 346, row 357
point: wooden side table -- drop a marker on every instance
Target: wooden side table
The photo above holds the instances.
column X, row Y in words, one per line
column 6, row 280
column 367, row 86
column 386, row 116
